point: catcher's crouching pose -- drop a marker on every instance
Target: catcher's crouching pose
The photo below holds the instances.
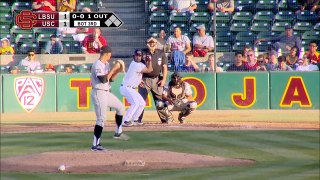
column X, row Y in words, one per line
column 177, row 97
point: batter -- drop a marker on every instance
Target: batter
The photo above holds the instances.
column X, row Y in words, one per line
column 129, row 87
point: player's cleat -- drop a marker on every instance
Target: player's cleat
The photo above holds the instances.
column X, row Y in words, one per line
column 134, row 123
column 137, row 123
column 170, row 120
column 121, row 136
column 97, row 148
column 127, row 124
column 181, row 119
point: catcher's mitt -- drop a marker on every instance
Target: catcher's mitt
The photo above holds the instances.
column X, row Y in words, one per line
column 122, row 65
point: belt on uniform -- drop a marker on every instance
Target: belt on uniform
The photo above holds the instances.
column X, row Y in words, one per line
column 129, row 86
column 101, row 89
column 152, row 77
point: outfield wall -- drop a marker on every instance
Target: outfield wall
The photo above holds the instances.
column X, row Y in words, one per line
column 252, row 90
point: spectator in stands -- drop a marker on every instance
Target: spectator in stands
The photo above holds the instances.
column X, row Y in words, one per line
column 14, row 70
column 251, row 63
column 238, row 63
column 292, row 57
column 273, row 61
column 50, row 69
column 266, row 58
column 66, row 5
column 303, row 65
column 310, row 5
column 179, row 45
column 44, row 5
column 313, row 54
column 161, row 40
column 188, row 6
column 212, row 64
column 86, row 9
column 68, row 69
column 222, row 6
column 261, row 65
column 38, row 70
column 30, row 61
column 189, row 65
column 78, row 34
column 93, row 43
column 83, row 31
column 202, row 43
column 65, row 30
column 284, row 42
column 54, row 46
column 282, row 64
column 245, row 51
column 5, row 48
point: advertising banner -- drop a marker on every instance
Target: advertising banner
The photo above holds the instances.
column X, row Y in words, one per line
column 295, row 90
column 29, row 93
column 240, row 90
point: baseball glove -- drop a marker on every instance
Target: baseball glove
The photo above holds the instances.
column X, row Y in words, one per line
column 122, row 65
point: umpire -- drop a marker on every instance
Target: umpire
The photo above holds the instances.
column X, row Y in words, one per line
column 154, row 81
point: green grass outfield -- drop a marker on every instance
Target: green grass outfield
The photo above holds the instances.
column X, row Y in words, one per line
column 281, row 154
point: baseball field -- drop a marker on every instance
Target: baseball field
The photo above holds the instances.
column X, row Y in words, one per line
column 255, row 144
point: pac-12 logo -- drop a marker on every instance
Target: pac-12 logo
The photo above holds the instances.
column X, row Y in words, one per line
column 29, row 91
column 26, row 19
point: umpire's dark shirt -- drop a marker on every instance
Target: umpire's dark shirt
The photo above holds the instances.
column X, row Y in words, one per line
column 158, row 60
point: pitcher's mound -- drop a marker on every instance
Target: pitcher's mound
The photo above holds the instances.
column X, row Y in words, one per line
column 113, row 161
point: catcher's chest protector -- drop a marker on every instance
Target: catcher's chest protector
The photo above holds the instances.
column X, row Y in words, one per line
column 177, row 93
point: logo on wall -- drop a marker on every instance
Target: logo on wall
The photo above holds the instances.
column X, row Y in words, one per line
column 29, row 91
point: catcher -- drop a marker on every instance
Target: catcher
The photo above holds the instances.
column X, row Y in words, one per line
column 177, row 97
column 101, row 76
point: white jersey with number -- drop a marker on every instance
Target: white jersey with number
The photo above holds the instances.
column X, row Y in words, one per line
column 99, row 69
column 178, row 43
column 133, row 76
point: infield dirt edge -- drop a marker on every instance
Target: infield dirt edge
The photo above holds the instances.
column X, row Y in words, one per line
column 114, row 161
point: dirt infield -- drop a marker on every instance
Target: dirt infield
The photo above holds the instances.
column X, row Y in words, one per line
column 113, row 161
column 122, row 161
column 199, row 120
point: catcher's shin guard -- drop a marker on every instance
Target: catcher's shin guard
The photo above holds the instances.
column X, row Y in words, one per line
column 187, row 111
column 163, row 112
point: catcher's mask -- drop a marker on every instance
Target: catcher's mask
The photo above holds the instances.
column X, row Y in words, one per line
column 176, row 79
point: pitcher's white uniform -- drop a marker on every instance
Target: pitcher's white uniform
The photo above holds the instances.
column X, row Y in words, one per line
column 128, row 89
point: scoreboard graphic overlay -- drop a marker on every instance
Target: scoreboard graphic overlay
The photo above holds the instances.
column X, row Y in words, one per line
column 27, row 19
